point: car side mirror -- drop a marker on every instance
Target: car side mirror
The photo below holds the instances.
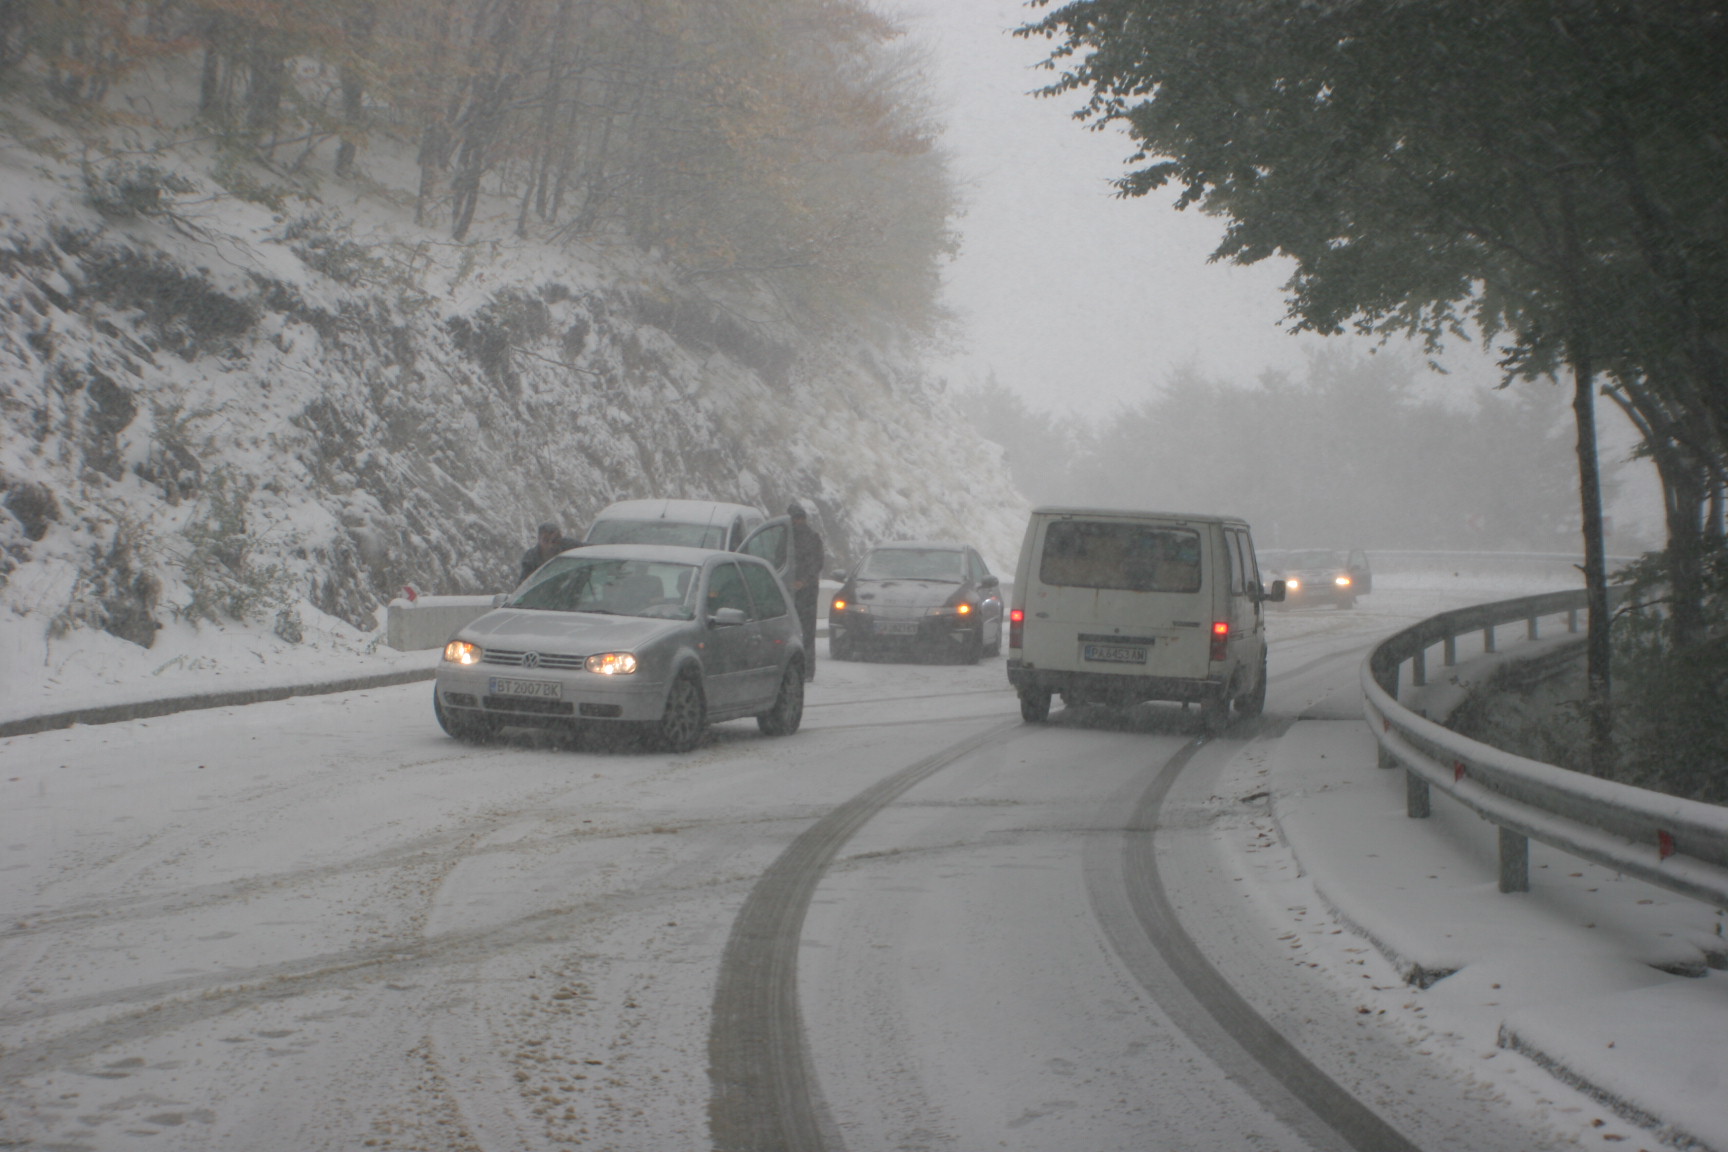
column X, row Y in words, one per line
column 1276, row 595
column 990, row 582
column 727, row 618
column 838, row 575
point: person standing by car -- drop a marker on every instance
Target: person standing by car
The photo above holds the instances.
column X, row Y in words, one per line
column 550, row 542
column 806, row 580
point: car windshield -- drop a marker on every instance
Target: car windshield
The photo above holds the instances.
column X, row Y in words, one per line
column 1309, row 560
column 657, row 532
column 577, row 583
column 912, row 564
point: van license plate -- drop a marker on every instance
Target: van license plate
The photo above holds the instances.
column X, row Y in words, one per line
column 544, row 689
column 1114, row 653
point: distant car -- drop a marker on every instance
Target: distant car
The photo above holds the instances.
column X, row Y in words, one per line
column 917, row 597
column 665, row 638
column 1325, row 576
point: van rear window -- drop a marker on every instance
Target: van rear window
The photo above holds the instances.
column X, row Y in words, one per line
column 1111, row 554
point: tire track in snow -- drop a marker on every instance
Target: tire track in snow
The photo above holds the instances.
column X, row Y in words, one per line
column 764, row 1096
column 1131, row 905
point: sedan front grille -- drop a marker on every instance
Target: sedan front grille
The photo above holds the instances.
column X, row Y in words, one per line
column 551, row 661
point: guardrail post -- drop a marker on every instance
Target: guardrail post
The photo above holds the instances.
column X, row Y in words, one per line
column 1451, row 651
column 1530, row 630
column 1514, row 861
column 1419, row 668
column 1416, row 801
column 1488, row 639
column 1572, row 620
column 1389, row 684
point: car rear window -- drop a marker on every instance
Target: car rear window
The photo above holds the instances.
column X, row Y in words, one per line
column 1117, row 555
column 913, row 564
column 657, row 532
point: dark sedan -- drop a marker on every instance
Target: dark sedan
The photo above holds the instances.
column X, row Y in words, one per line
column 917, row 598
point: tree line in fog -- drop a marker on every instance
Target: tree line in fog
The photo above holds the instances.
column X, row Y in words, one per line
column 782, row 143
column 1349, row 454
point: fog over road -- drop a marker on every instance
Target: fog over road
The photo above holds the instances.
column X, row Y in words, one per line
column 919, row 923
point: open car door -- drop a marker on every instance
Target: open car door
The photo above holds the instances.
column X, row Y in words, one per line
column 772, row 541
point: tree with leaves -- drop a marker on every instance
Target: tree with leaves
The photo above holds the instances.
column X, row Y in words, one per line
column 1547, row 173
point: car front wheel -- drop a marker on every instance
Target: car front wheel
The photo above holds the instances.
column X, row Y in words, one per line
column 788, row 711
column 681, row 725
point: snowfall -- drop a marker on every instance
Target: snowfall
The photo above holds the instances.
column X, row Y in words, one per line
column 217, row 931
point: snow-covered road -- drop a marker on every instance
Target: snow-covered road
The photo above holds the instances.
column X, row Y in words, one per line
column 320, row 924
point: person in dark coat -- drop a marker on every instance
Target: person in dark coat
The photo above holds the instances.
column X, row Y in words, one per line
column 806, row 580
column 551, row 541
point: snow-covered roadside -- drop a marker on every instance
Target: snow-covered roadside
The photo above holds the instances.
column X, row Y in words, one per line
column 1603, row 980
column 43, row 675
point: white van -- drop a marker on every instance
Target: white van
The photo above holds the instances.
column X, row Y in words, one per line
column 1116, row 607
column 688, row 523
column 698, row 524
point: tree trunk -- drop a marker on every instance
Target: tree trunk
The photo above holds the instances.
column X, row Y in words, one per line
column 1598, row 652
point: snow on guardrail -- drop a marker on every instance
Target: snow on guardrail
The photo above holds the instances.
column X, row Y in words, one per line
column 1678, row 844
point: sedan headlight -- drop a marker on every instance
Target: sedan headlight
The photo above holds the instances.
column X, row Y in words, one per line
column 1341, row 580
column 951, row 610
column 612, row 663
column 1291, row 583
column 462, row 652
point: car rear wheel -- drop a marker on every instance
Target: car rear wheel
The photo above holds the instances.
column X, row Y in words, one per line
column 839, row 648
column 788, row 711
column 1034, row 705
column 680, row 727
column 460, row 726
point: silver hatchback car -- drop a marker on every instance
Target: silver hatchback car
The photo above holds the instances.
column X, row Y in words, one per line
column 665, row 638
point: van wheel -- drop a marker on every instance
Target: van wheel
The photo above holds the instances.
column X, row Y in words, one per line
column 1253, row 702
column 1215, row 715
column 1034, row 705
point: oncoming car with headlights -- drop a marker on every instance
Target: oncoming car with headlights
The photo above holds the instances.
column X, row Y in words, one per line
column 664, row 638
column 1325, row 576
column 935, row 597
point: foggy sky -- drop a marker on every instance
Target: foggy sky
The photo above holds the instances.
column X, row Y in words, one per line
column 1074, row 298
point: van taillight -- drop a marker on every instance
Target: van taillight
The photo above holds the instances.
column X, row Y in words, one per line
column 1220, row 638
column 1016, row 621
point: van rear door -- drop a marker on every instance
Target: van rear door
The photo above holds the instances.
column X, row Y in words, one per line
column 1120, row 595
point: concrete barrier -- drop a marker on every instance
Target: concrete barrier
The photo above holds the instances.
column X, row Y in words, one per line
column 428, row 621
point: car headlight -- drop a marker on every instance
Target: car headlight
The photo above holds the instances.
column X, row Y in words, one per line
column 462, row 652
column 839, row 605
column 611, row 663
column 951, row 610
column 1291, row 583
column 1341, row 581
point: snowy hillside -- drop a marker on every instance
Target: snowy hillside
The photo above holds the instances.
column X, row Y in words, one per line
column 227, row 406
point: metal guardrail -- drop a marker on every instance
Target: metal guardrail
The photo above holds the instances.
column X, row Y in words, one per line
column 1678, row 844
